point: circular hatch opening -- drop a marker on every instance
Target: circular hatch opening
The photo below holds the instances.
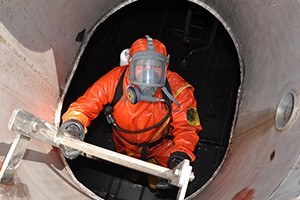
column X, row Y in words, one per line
column 202, row 52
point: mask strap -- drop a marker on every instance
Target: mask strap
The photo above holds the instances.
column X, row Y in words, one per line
column 170, row 96
column 150, row 45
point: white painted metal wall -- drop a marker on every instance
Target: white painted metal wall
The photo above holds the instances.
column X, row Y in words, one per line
column 37, row 53
column 38, row 50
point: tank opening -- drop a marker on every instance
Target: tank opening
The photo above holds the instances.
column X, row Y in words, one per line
column 201, row 51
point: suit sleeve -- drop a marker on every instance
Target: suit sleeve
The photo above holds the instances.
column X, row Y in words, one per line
column 185, row 122
column 87, row 107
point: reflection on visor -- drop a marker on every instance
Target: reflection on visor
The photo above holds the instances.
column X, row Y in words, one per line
column 149, row 71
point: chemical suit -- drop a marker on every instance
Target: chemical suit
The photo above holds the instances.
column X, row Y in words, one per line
column 155, row 118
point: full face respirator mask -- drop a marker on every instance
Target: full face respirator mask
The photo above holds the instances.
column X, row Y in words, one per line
column 147, row 74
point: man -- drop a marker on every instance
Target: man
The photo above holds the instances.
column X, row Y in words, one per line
column 155, row 117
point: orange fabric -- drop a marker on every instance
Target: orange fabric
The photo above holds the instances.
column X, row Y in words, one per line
column 142, row 45
column 141, row 115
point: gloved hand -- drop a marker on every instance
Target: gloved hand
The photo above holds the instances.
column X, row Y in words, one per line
column 176, row 158
column 71, row 128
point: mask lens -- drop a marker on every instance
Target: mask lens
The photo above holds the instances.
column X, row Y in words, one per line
column 149, row 72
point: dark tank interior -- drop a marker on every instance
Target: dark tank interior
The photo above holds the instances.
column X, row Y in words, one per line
column 201, row 51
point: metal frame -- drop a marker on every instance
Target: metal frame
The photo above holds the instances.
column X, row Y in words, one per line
column 28, row 126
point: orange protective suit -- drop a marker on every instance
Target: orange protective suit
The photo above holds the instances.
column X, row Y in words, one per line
column 183, row 124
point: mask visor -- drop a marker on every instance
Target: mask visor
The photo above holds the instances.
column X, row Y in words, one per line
column 148, row 72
